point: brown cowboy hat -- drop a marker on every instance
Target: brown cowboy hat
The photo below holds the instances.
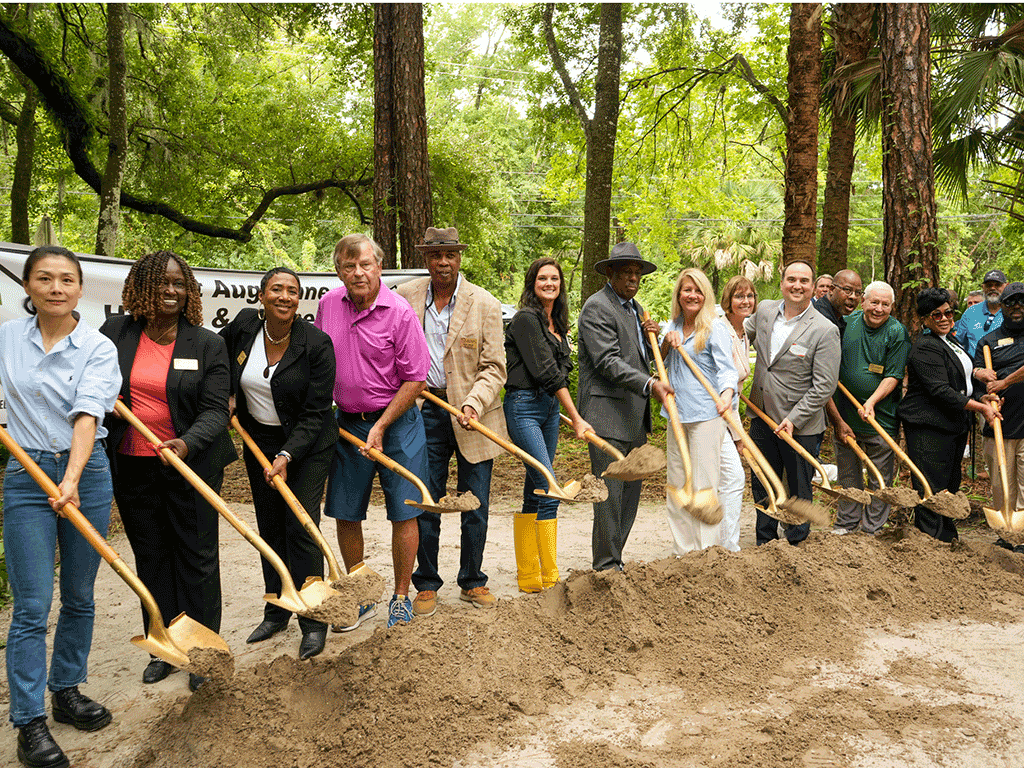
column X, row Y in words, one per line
column 441, row 240
column 623, row 253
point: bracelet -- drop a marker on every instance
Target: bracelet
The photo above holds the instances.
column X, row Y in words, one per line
column 287, row 456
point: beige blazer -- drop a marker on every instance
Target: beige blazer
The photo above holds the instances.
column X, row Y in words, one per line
column 474, row 361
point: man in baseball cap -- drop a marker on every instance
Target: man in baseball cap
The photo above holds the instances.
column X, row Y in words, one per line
column 978, row 320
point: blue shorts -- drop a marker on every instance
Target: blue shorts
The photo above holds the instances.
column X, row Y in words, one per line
column 351, row 478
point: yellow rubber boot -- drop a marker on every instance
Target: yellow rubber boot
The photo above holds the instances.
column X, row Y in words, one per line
column 524, row 533
column 547, row 544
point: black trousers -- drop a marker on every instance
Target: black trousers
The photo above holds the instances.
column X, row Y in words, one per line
column 173, row 532
column 938, row 455
column 614, row 517
column 278, row 525
column 798, row 477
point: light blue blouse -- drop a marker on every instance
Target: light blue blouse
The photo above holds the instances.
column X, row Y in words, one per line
column 715, row 361
column 45, row 391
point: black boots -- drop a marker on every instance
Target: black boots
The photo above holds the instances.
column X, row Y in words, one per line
column 70, row 706
column 36, row 747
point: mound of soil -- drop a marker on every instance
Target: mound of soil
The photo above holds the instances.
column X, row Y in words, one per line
column 679, row 647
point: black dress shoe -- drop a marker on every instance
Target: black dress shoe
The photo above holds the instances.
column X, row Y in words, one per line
column 36, row 747
column 70, row 706
column 195, row 682
column 266, row 630
column 157, row 670
column 312, row 643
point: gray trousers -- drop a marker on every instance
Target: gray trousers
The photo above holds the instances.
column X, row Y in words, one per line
column 613, row 518
column 849, row 514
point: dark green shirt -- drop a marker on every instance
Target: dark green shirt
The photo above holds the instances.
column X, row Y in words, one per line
column 870, row 355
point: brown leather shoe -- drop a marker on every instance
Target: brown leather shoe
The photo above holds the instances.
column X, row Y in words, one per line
column 480, row 597
column 425, row 603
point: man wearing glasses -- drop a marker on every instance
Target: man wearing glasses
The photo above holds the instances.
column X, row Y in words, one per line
column 983, row 317
column 1006, row 344
column 842, row 299
column 462, row 323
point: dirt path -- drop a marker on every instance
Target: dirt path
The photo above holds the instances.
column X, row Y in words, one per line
column 847, row 651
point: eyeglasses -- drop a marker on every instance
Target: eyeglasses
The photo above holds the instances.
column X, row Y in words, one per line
column 1014, row 301
column 940, row 315
column 849, row 291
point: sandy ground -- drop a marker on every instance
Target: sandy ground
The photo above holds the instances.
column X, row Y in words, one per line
column 847, row 651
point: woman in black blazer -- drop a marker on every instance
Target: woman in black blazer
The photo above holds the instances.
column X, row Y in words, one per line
column 176, row 380
column 282, row 386
column 936, row 411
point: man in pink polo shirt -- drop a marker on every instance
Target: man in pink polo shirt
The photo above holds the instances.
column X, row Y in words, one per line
column 382, row 362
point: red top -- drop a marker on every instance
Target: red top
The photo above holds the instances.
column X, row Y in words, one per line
column 149, row 397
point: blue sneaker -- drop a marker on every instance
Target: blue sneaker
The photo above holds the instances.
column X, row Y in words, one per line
column 399, row 611
column 366, row 612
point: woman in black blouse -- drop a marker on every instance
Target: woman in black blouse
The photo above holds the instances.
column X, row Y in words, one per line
column 539, row 362
column 936, row 411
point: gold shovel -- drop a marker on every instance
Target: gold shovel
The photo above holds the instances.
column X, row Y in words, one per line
column 944, row 503
column 791, row 510
column 703, row 505
column 313, row 593
column 642, row 462
column 427, row 504
column 1003, row 520
column 171, row 643
column 568, row 493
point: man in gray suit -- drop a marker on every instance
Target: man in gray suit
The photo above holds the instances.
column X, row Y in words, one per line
column 798, row 355
column 615, row 385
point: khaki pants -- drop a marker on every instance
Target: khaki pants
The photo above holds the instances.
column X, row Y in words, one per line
column 704, row 439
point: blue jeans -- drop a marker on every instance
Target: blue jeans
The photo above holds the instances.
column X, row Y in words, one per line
column 32, row 534
column 532, row 418
column 475, row 477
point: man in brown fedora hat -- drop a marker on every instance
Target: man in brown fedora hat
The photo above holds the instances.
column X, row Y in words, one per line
column 462, row 323
column 614, row 390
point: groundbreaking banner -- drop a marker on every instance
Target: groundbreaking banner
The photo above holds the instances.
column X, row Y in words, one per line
column 224, row 291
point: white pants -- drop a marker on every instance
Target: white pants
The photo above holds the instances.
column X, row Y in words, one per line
column 731, row 482
column 704, row 439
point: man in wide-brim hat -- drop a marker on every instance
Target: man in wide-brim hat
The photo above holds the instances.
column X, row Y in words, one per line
column 614, row 390
column 462, row 323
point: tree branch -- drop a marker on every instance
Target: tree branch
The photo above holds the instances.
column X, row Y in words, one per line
column 559, row 63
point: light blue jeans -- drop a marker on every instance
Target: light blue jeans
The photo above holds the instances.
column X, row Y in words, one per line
column 32, row 534
column 532, row 419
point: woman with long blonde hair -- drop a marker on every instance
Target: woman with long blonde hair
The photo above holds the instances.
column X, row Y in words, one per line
column 705, row 337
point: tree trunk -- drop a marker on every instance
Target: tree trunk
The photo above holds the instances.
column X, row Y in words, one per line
column 21, row 184
column 908, row 182
column 851, row 23
column 117, row 150
column 597, row 206
column 385, row 213
column 412, row 162
column 799, row 231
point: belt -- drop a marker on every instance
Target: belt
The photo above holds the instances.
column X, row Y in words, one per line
column 441, row 394
column 364, row 415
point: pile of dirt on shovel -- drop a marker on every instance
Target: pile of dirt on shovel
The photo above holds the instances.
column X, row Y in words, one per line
column 709, row 624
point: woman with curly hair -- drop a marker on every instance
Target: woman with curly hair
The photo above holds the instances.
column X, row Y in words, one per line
column 177, row 381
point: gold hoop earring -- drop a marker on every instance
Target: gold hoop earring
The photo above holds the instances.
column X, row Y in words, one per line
column 261, row 314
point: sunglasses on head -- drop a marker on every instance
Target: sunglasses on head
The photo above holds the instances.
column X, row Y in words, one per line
column 938, row 314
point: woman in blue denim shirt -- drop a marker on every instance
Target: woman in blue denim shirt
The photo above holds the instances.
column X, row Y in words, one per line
column 539, row 362
column 59, row 378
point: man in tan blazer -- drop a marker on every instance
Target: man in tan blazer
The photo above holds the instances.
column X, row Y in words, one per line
column 462, row 323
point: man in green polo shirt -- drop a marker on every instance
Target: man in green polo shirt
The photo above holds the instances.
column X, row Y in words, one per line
column 875, row 349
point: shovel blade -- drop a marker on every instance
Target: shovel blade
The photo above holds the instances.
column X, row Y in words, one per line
column 183, row 635
column 1017, row 520
column 289, row 604
column 432, row 507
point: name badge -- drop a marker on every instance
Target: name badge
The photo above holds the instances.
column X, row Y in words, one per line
column 186, row 364
column 468, row 342
column 241, row 357
column 798, row 350
column 876, row 368
column 1004, row 342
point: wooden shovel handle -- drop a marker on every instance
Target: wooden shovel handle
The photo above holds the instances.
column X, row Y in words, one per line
column 890, row 442
column 852, row 442
column 790, row 440
column 600, row 442
column 997, row 429
column 334, row 571
column 81, row 523
column 515, row 450
column 673, row 413
column 390, row 463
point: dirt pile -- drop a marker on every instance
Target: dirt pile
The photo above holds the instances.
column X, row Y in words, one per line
column 715, row 633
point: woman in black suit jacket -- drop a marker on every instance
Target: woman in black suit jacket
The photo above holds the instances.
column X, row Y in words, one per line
column 176, row 380
column 282, row 386
column 936, row 411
